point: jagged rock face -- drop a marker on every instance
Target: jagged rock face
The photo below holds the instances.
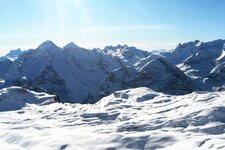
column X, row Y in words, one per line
column 115, row 81
column 14, row 54
column 83, row 70
column 161, row 76
column 204, row 59
column 158, row 74
column 11, row 56
column 215, row 79
column 31, row 62
column 5, row 64
column 198, row 59
column 130, row 55
column 218, row 73
column 201, row 61
column 182, row 52
column 2, row 82
column 49, row 80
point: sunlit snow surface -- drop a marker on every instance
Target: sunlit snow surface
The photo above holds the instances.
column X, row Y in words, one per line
column 131, row 119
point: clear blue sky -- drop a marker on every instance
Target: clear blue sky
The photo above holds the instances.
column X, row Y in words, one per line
column 148, row 24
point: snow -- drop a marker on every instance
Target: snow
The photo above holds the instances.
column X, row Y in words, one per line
column 130, row 119
column 14, row 98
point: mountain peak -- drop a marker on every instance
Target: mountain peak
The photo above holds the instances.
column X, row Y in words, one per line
column 47, row 45
column 114, row 48
column 71, row 45
column 14, row 52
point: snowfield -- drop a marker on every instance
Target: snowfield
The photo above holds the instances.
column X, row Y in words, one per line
column 130, row 119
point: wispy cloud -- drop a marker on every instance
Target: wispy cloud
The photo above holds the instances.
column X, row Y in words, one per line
column 154, row 45
column 14, row 35
column 145, row 45
column 6, row 48
column 126, row 28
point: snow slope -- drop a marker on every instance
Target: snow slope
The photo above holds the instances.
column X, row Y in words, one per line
column 14, row 98
column 130, row 119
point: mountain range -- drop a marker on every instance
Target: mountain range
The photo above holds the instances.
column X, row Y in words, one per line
column 80, row 75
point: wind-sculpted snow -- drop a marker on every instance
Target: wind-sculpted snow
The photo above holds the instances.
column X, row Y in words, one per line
column 14, row 98
column 130, row 119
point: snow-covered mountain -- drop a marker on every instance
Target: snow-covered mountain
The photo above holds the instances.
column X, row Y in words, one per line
column 201, row 61
column 7, row 60
column 77, row 74
column 78, row 69
column 5, row 65
column 13, row 54
column 154, row 72
column 130, row 55
column 70, row 72
column 182, row 52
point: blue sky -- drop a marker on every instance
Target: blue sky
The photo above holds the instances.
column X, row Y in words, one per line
column 148, row 24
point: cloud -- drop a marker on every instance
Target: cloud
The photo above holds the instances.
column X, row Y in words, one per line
column 154, row 45
column 4, row 36
column 126, row 28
